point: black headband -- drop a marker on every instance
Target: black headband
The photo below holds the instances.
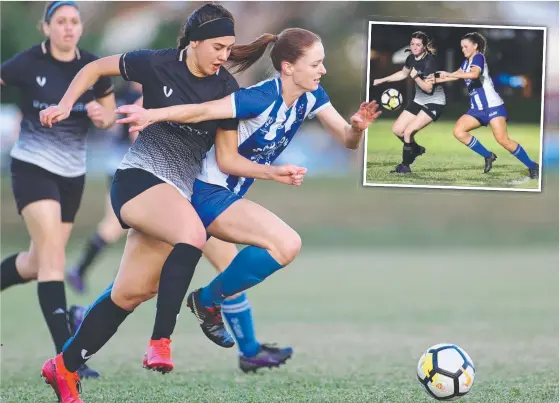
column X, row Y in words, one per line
column 212, row 29
column 56, row 4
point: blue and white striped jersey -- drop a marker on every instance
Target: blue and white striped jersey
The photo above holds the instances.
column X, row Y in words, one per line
column 482, row 92
column 266, row 127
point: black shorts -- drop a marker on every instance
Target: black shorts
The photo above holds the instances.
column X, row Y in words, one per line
column 127, row 184
column 31, row 183
column 432, row 110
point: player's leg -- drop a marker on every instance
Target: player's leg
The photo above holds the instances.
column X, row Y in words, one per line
column 399, row 127
column 411, row 149
column 237, row 311
column 108, row 232
column 160, row 211
column 461, row 131
column 272, row 245
column 499, row 129
column 136, row 282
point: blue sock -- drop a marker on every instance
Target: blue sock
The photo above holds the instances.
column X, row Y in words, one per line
column 522, row 156
column 478, row 148
column 238, row 316
column 250, row 267
column 105, row 294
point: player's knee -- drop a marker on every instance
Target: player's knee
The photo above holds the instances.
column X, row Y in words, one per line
column 51, row 264
column 459, row 133
column 194, row 235
column 288, row 248
column 130, row 299
column 503, row 140
column 397, row 130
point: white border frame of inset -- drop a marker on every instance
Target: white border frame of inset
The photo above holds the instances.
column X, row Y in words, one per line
column 418, row 24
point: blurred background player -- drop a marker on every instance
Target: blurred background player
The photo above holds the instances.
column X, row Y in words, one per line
column 109, row 229
column 270, row 115
column 487, row 107
column 48, row 164
column 429, row 99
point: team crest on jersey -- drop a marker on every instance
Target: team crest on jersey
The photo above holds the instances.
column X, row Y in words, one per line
column 41, row 81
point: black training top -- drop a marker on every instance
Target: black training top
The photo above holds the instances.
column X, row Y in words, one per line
column 43, row 80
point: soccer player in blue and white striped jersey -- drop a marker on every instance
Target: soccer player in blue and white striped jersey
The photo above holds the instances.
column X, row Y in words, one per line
column 270, row 114
column 487, row 107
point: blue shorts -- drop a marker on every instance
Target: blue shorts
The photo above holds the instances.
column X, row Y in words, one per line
column 486, row 115
column 210, row 201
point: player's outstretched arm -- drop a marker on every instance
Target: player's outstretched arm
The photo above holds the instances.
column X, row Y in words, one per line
column 232, row 163
column 398, row 76
column 139, row 118
column 349, row 135
column 86, row 78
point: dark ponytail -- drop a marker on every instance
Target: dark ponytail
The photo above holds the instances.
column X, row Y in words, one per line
column 478, row 40
column 244, row 56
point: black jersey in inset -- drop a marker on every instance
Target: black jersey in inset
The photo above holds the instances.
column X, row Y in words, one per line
column 425, row 66
column 43, row 80
column 174, row 152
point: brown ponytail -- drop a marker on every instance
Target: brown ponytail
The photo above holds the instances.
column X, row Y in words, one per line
column 244, row 56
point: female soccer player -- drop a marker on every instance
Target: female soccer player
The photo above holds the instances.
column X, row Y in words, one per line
column 270, row 114
column 48, row 164
column 429, row 99
column 151, row 190
column 237, row 309
column 487, row 107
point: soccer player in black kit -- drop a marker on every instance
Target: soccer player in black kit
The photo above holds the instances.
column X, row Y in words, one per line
column 48, row 164
column 153, row 185
column 429, row 99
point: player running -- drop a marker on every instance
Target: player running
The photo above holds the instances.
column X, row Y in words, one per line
column 270, row 114
column 429, row 99
column 487, row 107
column 48, row 164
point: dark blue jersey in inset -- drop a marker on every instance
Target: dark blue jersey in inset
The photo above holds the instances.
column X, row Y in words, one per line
column 174, row 152
column 42, row 81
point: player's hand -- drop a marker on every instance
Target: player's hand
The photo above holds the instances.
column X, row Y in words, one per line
column 53, row 114
column 289, row 174
column 431, row 79
column 137, row 117
column 444, row 74
column 377, row 81
column 365, row 116
column 413, row 73
column 97, row 114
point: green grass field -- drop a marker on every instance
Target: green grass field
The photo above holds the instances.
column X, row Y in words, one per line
column 448, row 162
column 358, row 321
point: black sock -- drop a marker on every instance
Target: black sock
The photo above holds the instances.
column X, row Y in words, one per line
column 94, row 247
column 176, row 276
column 400, row 138
column 9, row 275
column 52, row 299
column 407, row 154
column 99, row 325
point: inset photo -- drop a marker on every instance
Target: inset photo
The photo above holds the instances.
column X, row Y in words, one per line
column 462, row 106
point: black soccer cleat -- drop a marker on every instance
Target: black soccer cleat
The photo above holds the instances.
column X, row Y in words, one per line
column 534, row 172
column 488, row 162
column 268, row 356
column 210, row 320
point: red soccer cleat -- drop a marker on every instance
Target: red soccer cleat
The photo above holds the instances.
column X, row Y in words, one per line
column 65, row 384
column 158, row 356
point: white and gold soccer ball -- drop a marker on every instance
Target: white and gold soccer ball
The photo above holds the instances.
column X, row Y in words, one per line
column 446, row 372
column 391, row 99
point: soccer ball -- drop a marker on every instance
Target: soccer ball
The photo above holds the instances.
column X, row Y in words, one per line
column 391, row 99
column 446, row 372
